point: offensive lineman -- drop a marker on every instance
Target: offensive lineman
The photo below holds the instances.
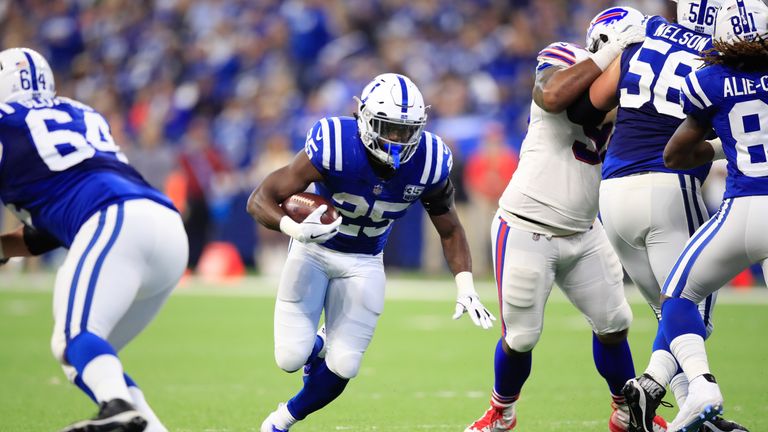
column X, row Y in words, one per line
column 63, row 176
column 731, row 95
column 546, row 230
column 649, row 211
column 372, row 168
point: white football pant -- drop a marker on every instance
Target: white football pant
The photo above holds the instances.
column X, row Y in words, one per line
column 648, row 219
column 735, row 238
column 583, row 265
column 350, row 287
column 120, row 269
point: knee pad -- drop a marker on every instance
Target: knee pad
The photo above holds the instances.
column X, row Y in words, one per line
column 522, row 341
column 290, row 358
column 344, row 364
column 620, row 319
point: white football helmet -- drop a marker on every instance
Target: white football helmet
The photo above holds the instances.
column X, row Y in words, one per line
column 607, row 24
column 25, row 74
column 698, row 15
column 391, row 116
column 742, row 20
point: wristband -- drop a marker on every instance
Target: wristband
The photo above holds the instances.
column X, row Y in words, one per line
column 290, row 227
column 717, row 146
column 606, row 55
column 465, row 284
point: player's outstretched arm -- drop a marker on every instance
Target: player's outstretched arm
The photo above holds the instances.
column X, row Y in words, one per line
column 263, row 203
column 687, row 147
column 557, row 88
column 442, row 213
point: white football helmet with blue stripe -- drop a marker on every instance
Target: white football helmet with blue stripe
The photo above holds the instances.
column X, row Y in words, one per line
column 742, row 20
column 607, row 24
column 25, row 74
column 391, row 116
column 698, row 15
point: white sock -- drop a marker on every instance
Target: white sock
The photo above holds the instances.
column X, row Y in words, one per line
column 662, row 367
column 283, row 418
column 153, row 423
column 690, row 352
column 104, row 376
column 679, row 387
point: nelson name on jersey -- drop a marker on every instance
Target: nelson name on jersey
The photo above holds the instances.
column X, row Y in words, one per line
column 680, row 36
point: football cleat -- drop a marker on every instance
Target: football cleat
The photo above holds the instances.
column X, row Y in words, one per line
column 498, row 418
column 620, row 420
column 704, row 403
column 643, row 395
column 719, row 424
column 116, row 415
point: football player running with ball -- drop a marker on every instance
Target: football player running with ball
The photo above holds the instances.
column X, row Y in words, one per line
column 546, row 230
column 730, row 95
column 63, row 175
column 372, row 168
column 649, row 210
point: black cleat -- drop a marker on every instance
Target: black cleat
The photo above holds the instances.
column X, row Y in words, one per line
column 116, row 415
column 643, row 396
column 719, row 424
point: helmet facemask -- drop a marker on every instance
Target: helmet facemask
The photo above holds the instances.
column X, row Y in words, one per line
column 391, row 141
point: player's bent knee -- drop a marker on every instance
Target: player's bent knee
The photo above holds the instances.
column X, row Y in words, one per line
column 345, row 365
column 59, row 347
column 291, row 359
column 617, row 322
column 522, row 342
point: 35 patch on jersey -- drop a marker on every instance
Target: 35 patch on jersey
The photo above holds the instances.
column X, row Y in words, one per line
column 412, row 192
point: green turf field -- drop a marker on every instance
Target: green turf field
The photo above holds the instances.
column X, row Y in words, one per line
column 206, row 364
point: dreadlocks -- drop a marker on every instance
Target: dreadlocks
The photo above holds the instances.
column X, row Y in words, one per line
column 745, row 56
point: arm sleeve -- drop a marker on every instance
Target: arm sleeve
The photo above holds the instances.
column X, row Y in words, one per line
column 439, row 200
column 583, row 112
column 557, row 54
column 39, row 242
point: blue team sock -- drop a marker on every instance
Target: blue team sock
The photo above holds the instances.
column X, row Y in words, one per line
column 660, row 343
column 511, row 372
column 614, row 363
column 85, row 347
column 681, row 316
column 321, row 388
column 87, row 390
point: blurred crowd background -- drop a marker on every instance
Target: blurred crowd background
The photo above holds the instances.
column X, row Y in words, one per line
column 207, row 97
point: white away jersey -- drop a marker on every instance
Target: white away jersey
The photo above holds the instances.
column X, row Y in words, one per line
column 559, row 162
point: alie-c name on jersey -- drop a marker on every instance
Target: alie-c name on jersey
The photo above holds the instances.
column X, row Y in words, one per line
column 368, row 204
column 652, row 73
column 736, row 105
column 59, row 165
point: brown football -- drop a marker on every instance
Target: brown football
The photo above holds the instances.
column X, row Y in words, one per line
column 300, row 205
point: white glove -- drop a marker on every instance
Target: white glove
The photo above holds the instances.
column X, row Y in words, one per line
column 311, row 230
column 468, row 301
column 615, row 46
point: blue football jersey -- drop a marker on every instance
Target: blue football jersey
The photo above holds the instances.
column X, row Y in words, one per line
column 736, row 104
column 649, row 113
column 59, row 165
column 368, row 204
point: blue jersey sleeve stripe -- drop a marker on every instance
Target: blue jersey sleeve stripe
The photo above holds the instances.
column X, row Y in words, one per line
column 563, row 50
column 687, row 94
column 332, row 148
column 427, row 159
column 32, row 70
column 696, row 87
column 326, row 144
column 338, row 162
column 439, row 162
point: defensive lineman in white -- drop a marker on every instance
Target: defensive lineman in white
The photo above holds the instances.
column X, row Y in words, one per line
column 372, row 167
column 730, row 95
column 63, row 175
column 546, row 230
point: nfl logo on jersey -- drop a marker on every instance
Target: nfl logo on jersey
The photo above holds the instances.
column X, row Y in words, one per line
column 412, row 192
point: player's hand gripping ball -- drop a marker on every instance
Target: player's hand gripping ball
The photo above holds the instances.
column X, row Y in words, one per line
column 301, row 205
